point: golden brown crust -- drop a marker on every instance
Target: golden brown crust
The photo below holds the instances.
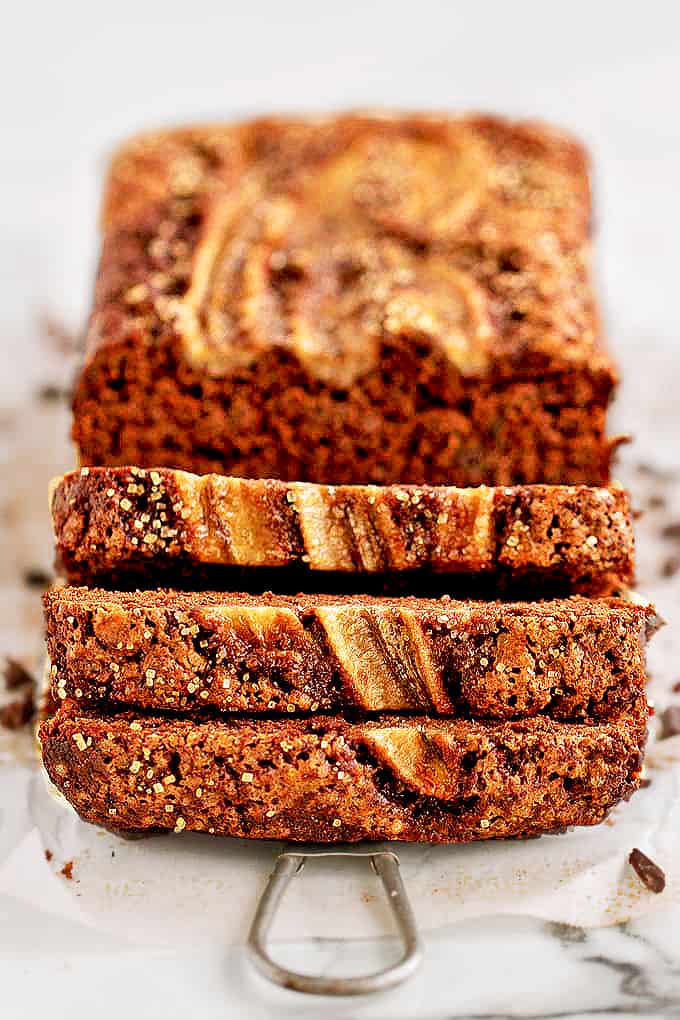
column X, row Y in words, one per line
column 327, row 779
column 573, row 658
column 352, row 195
column 345, row 260
column 117, row 521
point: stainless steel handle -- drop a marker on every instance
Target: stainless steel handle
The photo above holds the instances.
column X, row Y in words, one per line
column 287, row 866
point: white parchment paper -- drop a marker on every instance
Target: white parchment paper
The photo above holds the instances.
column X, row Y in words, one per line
column 185, row 889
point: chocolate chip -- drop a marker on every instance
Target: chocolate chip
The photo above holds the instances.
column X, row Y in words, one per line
column 649, row 873
column 34, row 577
column 18, row 712
column 670, row 722
column 15, row 675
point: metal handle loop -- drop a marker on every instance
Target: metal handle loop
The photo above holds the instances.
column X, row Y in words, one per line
column 287, row 866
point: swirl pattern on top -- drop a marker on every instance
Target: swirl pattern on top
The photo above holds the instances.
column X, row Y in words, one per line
column 331, row 237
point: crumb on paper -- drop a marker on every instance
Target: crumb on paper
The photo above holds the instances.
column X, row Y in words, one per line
column 670, row 722
column 48, row 855
column 15, row 675
column 19, row 712
column 67, row 870
column 57, row 335
column 670, row 566
column 50, row 393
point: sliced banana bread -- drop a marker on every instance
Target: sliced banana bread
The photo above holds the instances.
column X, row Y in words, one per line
column 329, row 779
column 110, row 523
column 574, row 659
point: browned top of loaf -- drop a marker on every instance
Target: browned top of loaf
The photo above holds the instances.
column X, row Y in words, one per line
column 327, row 236
column 571, row 658
column 109, row 520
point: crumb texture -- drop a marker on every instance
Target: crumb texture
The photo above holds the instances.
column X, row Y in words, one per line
column 349, row 299
column 327, row 780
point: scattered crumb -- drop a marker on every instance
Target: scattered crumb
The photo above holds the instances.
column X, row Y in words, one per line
column 676, row 687
column 67, row 871
column 656, row 501
column 35, row 577
column 671, row 530
column 59, row 337
column 652, row 471
column 649, row 873
column 15, row 675
column 48, row 855
column 51, row 394
column 670, row 566
column 644, row 783
column 670, row 722
column 19, row 712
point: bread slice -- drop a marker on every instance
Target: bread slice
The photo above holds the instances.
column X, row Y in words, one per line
column 113, row 522
column 361, row 298
column 574, row 658
column 327, row 779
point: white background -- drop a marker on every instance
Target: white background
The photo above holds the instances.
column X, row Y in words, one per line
column 77, row 77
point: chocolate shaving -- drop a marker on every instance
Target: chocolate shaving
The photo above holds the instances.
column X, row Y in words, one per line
column 18, row 713
column 649, row 873
column 15, row 675
column 670, row 722
column 35, row 577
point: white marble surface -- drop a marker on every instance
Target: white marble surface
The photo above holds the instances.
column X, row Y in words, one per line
column 77, row 78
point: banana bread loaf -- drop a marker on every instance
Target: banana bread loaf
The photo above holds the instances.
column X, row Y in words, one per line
column 358, row 298
column 113, row 522
column 575, row 658
column 328, row 779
